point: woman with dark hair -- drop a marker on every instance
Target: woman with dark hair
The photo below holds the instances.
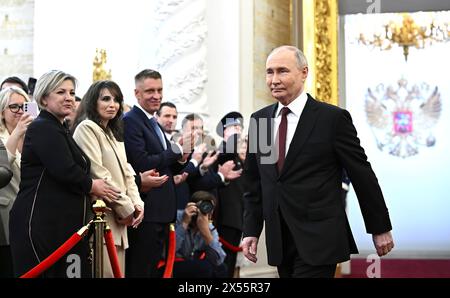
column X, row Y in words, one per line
column 55, row 184
column 14, row 82
column 98, row 131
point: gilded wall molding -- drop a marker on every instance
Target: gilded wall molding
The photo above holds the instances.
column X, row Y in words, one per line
column 320, row 47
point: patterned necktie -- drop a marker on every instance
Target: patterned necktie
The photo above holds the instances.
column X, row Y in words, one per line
column 158, row 132
column 282, row 131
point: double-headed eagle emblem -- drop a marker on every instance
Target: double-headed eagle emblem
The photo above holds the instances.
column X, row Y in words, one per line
column 402, row 118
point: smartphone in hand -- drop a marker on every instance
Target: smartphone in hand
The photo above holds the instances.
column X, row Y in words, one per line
column 31, row 85
column 31, row 107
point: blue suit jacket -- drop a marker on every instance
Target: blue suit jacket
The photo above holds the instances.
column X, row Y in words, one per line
column 144, row 152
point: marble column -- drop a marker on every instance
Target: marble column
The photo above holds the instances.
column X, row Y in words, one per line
column 179, row 53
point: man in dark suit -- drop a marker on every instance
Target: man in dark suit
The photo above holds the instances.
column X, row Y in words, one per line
column 203, row 173
column 167, row 115
column 147, row 148
column 297, row 191
column 230, row 206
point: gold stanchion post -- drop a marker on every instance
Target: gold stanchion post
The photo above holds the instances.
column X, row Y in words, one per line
column 99, row 209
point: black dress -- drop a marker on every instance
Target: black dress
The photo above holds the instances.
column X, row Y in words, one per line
column 52, row 202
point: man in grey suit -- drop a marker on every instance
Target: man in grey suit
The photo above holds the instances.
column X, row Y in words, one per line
column 297, row 191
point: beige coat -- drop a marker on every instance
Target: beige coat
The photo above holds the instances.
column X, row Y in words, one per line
column 8, row 193
column 109, row 161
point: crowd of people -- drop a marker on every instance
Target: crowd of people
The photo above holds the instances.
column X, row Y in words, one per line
column 78, row 150
column 82, row 149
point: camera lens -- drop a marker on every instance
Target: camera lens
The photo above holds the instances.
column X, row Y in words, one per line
column 205, row 207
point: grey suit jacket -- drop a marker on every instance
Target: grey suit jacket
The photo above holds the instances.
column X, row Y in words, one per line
column 8, row 193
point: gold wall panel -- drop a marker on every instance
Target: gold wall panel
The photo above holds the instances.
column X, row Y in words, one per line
column 320, row 45
column 272, row 28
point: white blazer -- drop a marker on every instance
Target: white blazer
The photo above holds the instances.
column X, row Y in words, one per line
column 109, row 161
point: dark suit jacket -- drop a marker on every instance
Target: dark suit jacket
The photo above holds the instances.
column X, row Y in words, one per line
column 307, row 191
column 144, row 152
column 230, row 209
column 195, row 182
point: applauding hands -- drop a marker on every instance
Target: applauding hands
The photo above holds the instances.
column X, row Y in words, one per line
column 151, row 179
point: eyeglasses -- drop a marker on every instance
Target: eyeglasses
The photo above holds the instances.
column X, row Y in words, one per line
column 15, row 107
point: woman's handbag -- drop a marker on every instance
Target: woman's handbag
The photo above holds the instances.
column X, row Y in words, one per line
column 5, row 169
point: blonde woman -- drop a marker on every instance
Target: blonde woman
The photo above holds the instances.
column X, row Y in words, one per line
column 98, row 131
column 13, row 125
column 55, row 186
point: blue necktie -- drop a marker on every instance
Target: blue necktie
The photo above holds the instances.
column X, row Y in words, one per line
column 158, row 132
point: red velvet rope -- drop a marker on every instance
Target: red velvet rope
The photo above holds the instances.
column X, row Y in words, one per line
column 113, row 258
column 230, row 246
column 171, row 253
column 57, row 254
column 162, row 263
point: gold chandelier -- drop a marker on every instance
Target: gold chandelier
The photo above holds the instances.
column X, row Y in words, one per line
column 408, row 34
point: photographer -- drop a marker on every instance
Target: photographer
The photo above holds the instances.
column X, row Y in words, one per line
column 197, row 241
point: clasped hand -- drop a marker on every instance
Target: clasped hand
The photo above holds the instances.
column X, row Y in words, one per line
column 101, row 189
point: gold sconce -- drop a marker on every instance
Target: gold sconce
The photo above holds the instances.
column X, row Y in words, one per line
column 99, row 72
column 408, row 34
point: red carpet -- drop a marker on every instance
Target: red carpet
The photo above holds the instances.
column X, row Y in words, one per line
column 402, row 268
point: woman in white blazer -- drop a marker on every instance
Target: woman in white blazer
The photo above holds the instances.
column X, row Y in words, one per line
column 13, row 125
column 98, row 132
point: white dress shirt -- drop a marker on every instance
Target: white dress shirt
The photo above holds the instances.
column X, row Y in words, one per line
column 296, row 107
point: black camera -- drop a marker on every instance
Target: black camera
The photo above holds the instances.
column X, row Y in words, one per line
column 205, row 206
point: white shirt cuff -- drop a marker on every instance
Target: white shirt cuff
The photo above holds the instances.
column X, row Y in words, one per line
column 194, row 162
column 345, row 186
column 222, row 177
